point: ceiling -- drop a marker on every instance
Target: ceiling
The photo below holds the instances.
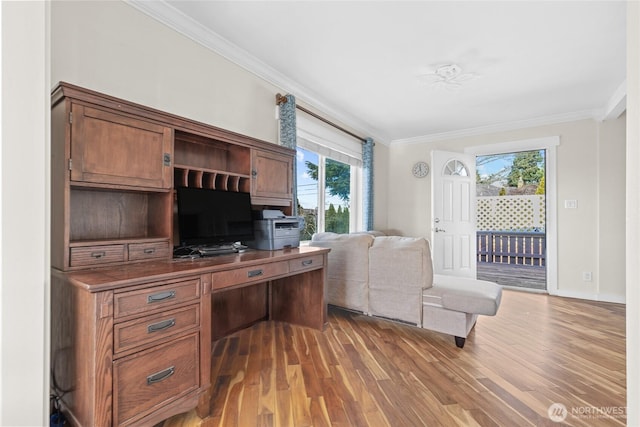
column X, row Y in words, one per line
column 373, row 64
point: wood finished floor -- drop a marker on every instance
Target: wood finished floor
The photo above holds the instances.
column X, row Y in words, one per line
column 519, row 276
column 364, row 371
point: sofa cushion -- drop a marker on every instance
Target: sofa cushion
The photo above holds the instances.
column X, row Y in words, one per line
column 348, row 269
column 399, row 270
column 400, row 259
column 464, row 294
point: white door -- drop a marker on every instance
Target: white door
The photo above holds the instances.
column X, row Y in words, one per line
column 453, row 213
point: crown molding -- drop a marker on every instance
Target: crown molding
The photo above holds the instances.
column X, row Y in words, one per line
column 503, row 127
column 168, row 15
column 617, row 103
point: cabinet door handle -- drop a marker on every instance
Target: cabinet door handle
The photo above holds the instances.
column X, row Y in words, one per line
column 161, row 296
column 149, row 251
column 307, row 262
column 254, row 273
column 98, row 255
column 161, row 326
column 161, row 376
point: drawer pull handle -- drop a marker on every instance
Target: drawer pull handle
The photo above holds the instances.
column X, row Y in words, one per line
column 149, row 251
column 254, row 273
column 161, row 376
column 98, row 255
column 161, row 326
column 161, row 296
column 307, row 262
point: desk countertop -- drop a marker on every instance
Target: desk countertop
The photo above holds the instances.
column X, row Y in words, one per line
column 113, row 277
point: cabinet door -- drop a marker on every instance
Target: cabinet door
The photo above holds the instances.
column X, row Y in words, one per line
column 272, row 178
column 109, row 148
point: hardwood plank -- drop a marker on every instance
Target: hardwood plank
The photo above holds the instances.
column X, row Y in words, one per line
column 516, row 275
column 365, row 371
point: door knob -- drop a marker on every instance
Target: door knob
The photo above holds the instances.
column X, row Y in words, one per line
column 439, row 230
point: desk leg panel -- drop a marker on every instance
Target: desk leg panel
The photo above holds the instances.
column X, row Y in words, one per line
column 300, row 299
column 237, row 309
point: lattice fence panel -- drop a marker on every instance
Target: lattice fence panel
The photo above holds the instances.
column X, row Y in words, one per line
column 517, row 213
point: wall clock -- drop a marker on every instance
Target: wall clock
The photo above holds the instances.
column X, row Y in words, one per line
column 420, row 169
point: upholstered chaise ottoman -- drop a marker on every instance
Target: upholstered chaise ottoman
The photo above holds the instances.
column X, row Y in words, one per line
column 452, row 304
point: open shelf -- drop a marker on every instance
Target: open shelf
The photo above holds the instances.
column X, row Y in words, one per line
column 208, row 154
column 188, row 176
column 100, row 214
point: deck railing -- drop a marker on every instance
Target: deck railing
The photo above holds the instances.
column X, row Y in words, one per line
column 512, row 247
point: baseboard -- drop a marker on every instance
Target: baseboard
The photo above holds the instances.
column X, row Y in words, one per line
column 590, row 296
column 523, row 289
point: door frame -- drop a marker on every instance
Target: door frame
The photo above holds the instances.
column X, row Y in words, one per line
column 551, row 225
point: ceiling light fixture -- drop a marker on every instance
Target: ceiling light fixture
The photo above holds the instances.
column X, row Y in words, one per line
column 448, row 76
column 448, row 72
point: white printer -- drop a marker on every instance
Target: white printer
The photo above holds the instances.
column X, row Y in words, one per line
column 274, row 230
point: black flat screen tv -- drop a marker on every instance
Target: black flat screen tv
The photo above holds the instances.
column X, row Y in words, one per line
column 213, row 217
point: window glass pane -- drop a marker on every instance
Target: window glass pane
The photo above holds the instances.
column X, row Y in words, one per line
column 307, row 179
column 337, row 195
column 456, row 167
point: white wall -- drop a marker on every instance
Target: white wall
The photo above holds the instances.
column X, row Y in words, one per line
column 24, row 253
column 611, row 207
column 113, row 48
column 590, row 169
column 633, row 213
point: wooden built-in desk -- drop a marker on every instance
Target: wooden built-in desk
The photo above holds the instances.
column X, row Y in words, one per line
column 131, row 344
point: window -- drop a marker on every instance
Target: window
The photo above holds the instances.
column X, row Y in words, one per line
column 456, row 167
column 329, row 176
column 323, row 181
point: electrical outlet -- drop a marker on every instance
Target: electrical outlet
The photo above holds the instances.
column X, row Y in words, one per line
column 571, row 204
column 587, row 276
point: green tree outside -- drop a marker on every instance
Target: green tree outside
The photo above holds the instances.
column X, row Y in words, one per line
column 541, row 185
column 529, row 166
column 337, row 178
column 338, row 184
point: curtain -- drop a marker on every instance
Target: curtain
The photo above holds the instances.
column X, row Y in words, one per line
column 367, row 184
column 287, row 114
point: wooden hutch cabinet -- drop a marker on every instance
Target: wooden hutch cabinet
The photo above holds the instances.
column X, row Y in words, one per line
column 109, row 148
column 115, row 165
column 271, row 179
column 131, row 328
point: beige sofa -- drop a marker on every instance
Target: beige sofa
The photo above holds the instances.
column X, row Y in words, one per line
column 392, row 277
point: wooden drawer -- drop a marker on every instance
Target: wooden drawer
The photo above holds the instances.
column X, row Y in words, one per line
column 149, row 329
column 256, row 273
column 140, row 251
column 307, row 263
column 145, row 380
column 95, row 255
column 162, row 295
